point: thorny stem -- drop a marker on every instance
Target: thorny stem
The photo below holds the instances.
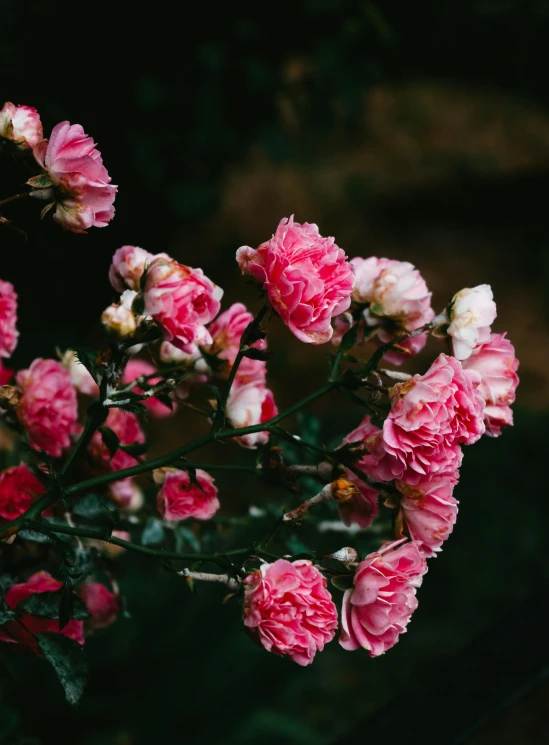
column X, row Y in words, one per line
column 14, row 198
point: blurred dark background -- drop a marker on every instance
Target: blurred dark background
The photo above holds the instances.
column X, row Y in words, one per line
column 417, row 131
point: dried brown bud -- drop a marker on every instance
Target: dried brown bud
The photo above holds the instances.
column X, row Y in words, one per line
column 343, row 490
column 9, row 397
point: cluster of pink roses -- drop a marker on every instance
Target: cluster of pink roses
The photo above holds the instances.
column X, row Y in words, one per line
column 73, row 179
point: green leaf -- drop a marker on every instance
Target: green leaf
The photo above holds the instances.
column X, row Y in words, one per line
column 6, row 613
column 68, row 660
column 350, row 338
column 219, row 416
column 137, row 448
column 153, row 532
column 94, row 507
column 256, row 354
column 42, row 181
column 49, row 605
column 87, row 357
column 110, row 440
column 342, row 581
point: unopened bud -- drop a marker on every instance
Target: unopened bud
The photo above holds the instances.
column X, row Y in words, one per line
column 119, row 321
column 346, row 555
column 343, row 490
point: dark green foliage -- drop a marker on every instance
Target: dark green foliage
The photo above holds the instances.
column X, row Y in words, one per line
column 68, row 659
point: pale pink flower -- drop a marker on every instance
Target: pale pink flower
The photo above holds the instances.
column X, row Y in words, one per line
column 226, row 332
column 289, row 609
column 181, row 497
column 127, row 268
column 21, row 124
column 102, row 604
column 119, row 319
column 23, row 630
column 80, row 377
column 47, row 407
column 127, row 495
column 471, row 313
column 428, row 511
column 182, row 300
column 430, row 416
column 8, row 319
column 495, row 362
column 379, row 606
column 126, row 427
column 307, row 278
column 83, row 194
column 248, row 405
column 19, row 488
column 142, row 368
column 395, row 290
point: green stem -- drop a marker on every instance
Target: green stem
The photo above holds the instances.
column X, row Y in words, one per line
column 14, row 198
column 46, row 528
column 97, row 414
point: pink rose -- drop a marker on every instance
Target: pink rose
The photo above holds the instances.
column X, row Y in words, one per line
column 102, row 604
column 21, row 632
column 362, row 508
column 377, row 610
column 288, row 608
column 84, row 194
column 472, row 311
column 127, row 268
column 126, row 427
column 179, row 498
column 47, row 407
column 21, row 124
column 428, row 511
column 182, row 300
column 247, row 405
column 430, row 416
column 226, row 332
column 8, row 319
column 495, row 362
column 142, row 368
column 307, row 278
column 19, row 488
column 395, row 290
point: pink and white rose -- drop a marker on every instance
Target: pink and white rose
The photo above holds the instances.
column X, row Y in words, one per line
column 47, row 408
column 428, row 511
column 288, row 609
column 127, row 268
column 182, row 300
column 379, row 606
column 471, row 313
column 84, row 195
column 307, row 278
column 20, row 124
column 248, row 405
column 496, row 363
column 181, row 497
column 226, row 332
column 126, row 427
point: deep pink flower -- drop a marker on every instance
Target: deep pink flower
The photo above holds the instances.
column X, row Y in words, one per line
column 226, row 332
column 428, row 511
column 102, row 604
column 8, row 319
column 377, row 610
column 21, row 124
column 182, row 300
column 127, row 268
column 5, row 374
column 179, row 498
column 307, row 278
column 84, row 194
column 430, row 416
column 126, row 427
column 247, row 405
column 495, row 362
column 19, row 488
column 138, row 368
column 21, row 632
column 47, row 408
column 472, row 311
column 288, row 608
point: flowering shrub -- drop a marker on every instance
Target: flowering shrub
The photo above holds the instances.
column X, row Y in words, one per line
column 75, row 433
